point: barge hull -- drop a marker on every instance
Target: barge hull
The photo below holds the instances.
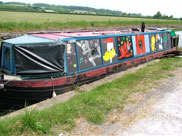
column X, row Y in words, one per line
column 17, row 94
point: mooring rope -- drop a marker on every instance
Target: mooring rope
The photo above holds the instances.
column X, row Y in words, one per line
column 53, row 91
column 75, row 77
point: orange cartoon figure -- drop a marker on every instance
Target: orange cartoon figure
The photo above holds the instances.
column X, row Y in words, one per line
column 125, row 49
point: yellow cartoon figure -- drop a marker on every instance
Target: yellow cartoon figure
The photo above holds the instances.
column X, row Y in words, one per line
column 153, row 43
column 109, row 54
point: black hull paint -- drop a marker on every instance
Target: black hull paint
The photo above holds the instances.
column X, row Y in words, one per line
column 18, row 97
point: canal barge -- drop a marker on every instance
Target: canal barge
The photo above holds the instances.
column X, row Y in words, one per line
column 38, row 66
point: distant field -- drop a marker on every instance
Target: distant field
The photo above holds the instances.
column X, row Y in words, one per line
column 15, row 21
column 50, row 17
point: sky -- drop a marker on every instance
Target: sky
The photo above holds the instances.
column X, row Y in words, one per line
column 145, row 7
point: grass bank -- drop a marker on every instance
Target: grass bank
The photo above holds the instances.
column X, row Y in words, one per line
column 93, row 105
column 28, row 26
column 25, row 21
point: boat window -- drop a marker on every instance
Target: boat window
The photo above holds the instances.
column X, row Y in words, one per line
column 7, row 57
column 109, row 50
column 7, row 54
column 71, row 58
column 94, row 52
column 89, row 53
column 125, row 47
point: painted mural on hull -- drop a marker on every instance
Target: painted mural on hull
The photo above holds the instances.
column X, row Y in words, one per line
column 153, row 42
column 166, row 40
column 140, row 44
column 109, row 50
column 156, row 42
column 71, row 57
column 89, row 53
column 125, row 47
column 159, row 39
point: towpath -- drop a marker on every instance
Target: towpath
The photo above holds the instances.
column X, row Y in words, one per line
column 155, row 113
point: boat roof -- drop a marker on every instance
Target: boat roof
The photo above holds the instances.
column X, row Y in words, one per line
column 52, row 37
column 63, row 35
column 28, row 39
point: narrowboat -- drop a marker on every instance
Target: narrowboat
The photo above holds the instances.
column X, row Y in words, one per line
column 38, row 66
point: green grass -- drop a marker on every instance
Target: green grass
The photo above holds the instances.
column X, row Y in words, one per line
column 26, row 21
column 93, row 105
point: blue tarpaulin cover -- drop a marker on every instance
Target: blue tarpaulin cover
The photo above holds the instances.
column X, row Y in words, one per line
column 28, row 39
column 33, row 55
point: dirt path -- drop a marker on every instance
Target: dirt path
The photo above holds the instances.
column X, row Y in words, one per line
column 156, row 112
column 165, row 116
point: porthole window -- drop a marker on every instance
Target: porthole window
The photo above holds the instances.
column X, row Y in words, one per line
column 94, row 52
column 140, row 44
column 7, row 55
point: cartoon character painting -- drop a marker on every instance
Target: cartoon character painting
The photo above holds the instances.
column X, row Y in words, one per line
column 159, row 42
column 69, row 49
column 153, row 43
column 169, row 40
column 140, row 44
column 125, row 47
column 165, row 41
column 71, row 57
column 90, row 51
column 110, row 52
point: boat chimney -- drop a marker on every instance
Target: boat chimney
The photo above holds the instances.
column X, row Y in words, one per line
column 143, row 27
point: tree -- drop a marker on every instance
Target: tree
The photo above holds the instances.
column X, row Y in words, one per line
column 124, row 14
column 171, row 17
column 165, row 16
column 158, row 15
